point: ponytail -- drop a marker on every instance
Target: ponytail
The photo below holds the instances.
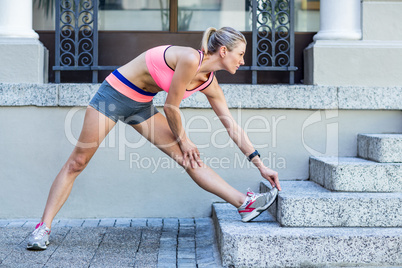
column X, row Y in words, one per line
column 213, row 39
column 205, row 39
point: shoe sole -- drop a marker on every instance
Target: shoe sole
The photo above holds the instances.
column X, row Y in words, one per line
column 255, row 213
column 36, row 246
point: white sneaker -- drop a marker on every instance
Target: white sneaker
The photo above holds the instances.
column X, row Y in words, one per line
column 255, row 204
column 39, row 238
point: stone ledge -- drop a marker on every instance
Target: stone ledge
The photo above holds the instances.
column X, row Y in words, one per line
column 241, row 243
column 28, row 94
column 237, row 95
column 383, row 148
column 306, row 204
column 351, row 174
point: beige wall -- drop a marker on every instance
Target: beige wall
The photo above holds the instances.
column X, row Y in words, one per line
column 123, row 181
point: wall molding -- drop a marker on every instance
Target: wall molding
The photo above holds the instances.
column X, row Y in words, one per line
column 237, row 95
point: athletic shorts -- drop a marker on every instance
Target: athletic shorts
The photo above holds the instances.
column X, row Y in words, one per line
column 117, row 106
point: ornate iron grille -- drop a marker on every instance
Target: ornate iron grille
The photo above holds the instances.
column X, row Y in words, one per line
column 76, row 37
column 272, row 37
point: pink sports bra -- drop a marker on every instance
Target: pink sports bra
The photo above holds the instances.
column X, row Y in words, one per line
column 162, row 73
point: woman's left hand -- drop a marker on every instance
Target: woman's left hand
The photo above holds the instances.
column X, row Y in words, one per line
column 271, row 176
column 191, row 155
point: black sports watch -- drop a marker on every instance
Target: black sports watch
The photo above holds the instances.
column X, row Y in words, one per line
column 251, row 156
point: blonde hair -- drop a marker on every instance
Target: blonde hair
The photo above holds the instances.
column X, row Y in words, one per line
column 213, row 39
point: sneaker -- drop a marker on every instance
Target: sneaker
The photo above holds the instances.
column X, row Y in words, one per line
column 255, row 204
column 39, row 239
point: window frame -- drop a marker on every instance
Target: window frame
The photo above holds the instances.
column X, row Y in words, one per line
column 173, row 16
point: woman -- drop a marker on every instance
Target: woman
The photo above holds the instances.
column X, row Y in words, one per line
column 127, row 94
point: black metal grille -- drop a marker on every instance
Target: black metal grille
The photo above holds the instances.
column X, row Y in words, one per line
column 77, row 38
column 272, row 37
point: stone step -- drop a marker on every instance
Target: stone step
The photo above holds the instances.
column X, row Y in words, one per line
column 383, row 148
column 306, row 204
column 351, row 174
column 264, row 243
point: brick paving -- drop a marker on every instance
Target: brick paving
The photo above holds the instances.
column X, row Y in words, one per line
column 121, row 242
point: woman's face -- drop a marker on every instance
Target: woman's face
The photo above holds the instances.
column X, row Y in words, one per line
column 232, row 60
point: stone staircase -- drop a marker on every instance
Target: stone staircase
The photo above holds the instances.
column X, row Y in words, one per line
column 348, row 214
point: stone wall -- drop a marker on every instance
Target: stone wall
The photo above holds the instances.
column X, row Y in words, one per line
column 130, row 178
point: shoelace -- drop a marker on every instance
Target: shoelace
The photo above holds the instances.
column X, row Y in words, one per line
column 39, row 231
column 252, row 196
column 250, row 193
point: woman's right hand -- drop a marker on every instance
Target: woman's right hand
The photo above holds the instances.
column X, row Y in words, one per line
column 271, row 176
column 191, row 155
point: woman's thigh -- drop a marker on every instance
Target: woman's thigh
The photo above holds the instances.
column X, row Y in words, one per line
column 156, row 129
column 95, row 128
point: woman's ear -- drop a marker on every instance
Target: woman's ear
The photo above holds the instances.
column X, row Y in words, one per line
column 223, row 51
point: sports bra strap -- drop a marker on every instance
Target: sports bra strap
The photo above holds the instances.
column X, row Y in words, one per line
column 201, row 59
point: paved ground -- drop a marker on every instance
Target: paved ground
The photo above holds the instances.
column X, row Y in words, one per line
column 141, row 242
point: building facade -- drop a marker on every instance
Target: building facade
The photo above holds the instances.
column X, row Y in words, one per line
column 350, row 86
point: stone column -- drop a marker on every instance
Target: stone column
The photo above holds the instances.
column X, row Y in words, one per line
column 23, row 57
column 16, row 19
column 359, row 44
column 339, row 20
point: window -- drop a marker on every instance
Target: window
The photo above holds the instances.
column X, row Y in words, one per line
column 179, row 15
column 197, row 15
column 307, row 15
column 134, row 15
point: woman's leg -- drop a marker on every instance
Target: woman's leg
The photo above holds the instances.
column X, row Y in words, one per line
column 96, row 127
column 157, row 131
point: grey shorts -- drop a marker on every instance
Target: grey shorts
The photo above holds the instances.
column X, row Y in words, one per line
column 116, row 106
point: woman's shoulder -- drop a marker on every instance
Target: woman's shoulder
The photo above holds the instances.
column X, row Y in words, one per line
column 186, row 49
column 184, row 52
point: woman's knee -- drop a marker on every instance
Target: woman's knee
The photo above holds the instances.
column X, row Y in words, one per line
column 77, row 163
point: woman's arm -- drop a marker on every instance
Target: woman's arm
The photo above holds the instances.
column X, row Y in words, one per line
column 185, row 70
column 218, row 103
